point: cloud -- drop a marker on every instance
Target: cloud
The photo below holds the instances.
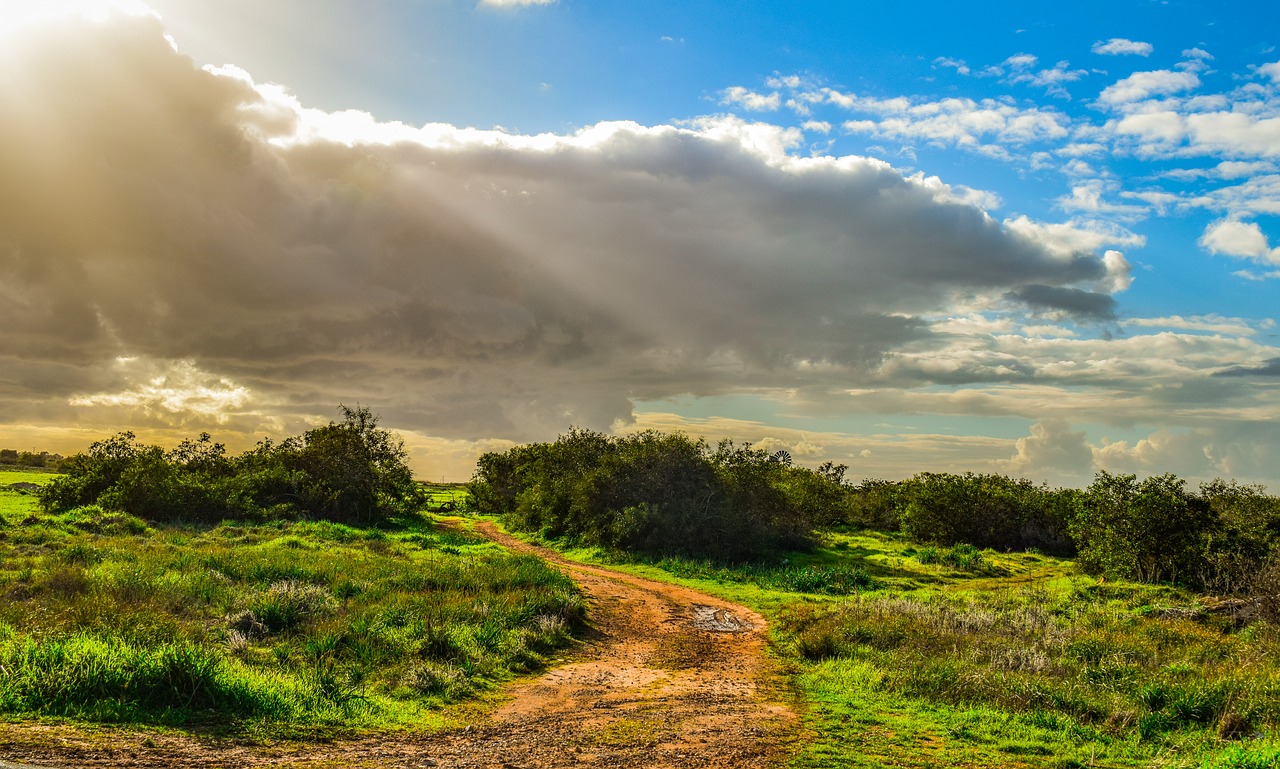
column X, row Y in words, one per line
column 178, row 388
column 988, row 126
column 1052, row 452
column 957, row 64
column 1246, row 452
column 1073, row 301
column 1119, row 46
column 750, row 100
column 1269, row 369
column 1256, row 195
column 877, row 455
column 1215, row 324
column 1235, row 134
column 258, row 258
column 1069, row 237
column 1227, row 169
column 1149, row 378
column 1143, row 85
column 1052, row 79
column 1021, row 61
column 1239, row 239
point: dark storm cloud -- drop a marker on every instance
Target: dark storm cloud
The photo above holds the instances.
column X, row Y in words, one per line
column 1269, row 369
column 1073, row 301
column 470, row 283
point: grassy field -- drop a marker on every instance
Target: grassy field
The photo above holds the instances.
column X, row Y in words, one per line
column 900, row 655
column 941, row 657
column 282, row 628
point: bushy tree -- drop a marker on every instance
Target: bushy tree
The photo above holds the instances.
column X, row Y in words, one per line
column 874, row 504
column 1244, row 536
column 1151, row 530
column 823, row 493
column 982, row 510
column 650, row 492
column 349, row 471
column 42, row 459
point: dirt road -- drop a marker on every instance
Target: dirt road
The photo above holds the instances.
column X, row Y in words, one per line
column 668, row 678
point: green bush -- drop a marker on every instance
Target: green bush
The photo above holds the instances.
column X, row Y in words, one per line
column 1149, row 531
column 983, row 510
column 350, row 471
column 658, row 494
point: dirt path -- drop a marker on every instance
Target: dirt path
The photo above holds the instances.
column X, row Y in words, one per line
column 669, row 678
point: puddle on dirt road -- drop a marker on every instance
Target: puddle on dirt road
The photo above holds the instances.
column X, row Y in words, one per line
column 718, row 620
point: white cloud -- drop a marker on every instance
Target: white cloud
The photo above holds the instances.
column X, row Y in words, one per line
column 987, row 126
column 1051, row 79
column 1158, row 128
column 1143, row 85
column 1240, row 451
column 1227, row 169
column 16, row 15
column 1118, row 46
column 1082, row 149
column 1052, row 452
column 880, row 455
column 1215, row 324
column 1256, row 195
column 1239, row 239
column 177, row 388
column 957, row 64
column 1234, row 133
column 750, row 100
column 1088, row 196
column 1066, row 238
column 1021, row 61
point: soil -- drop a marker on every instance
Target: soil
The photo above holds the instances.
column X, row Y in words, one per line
column 667, row 678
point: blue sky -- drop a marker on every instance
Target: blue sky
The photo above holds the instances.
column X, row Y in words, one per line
column 1040, row 240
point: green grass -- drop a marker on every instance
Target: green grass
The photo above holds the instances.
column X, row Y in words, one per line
column 277, row 629
column 979, row 658
column 16, row 505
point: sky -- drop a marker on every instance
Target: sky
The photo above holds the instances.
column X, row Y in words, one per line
column 1034, row 240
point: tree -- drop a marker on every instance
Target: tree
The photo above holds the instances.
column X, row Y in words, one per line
column 350, row 471
column 1149, row 531
column 982, row 510
column 655, row 493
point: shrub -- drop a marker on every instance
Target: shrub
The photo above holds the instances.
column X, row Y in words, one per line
column 982, row 510
column 1150, row 531
column 350, row 471
column 653, row 493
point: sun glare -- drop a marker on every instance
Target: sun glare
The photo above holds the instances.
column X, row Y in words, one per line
column 15, row 14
